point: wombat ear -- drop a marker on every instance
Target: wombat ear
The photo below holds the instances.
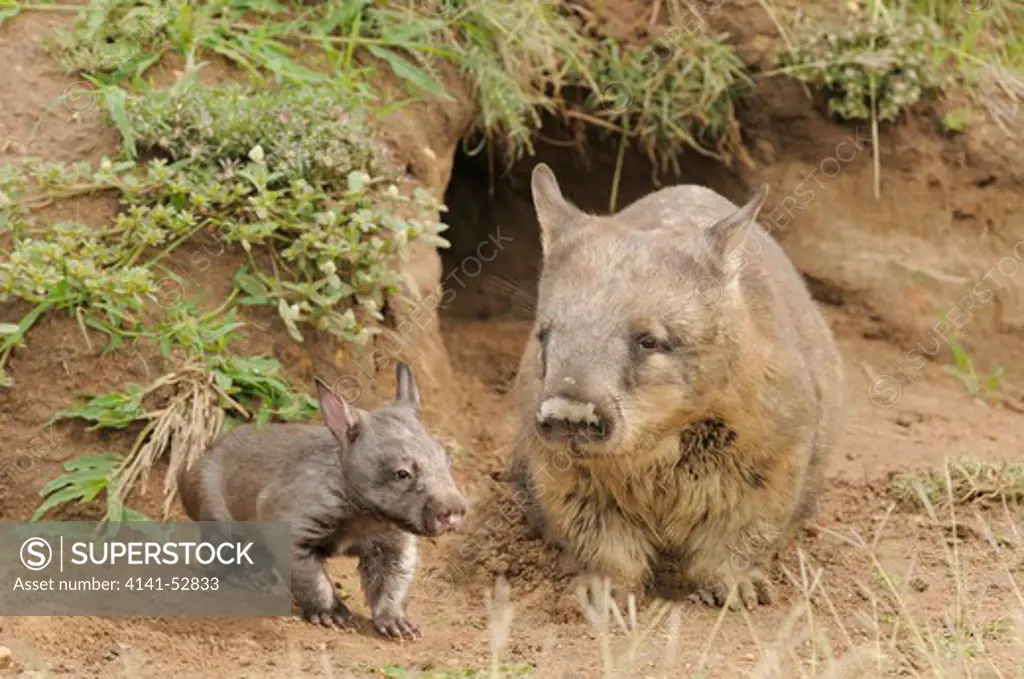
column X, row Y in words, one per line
column 338, row 416
column 406, row 391
column 554, row 212
column 728, row 233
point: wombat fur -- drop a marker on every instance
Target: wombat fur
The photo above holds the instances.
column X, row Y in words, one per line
column 678, row 396
column 364, row 486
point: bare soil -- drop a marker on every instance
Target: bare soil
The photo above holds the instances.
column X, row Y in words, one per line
column 885, row 272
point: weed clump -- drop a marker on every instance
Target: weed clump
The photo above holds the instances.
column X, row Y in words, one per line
column 972, row 481
column 672, row 95
column 890, row 62
column 518, row 56
column 181, row 412
column 114, row 33
column 292, row 169
column 318, row 135
column 299, row 169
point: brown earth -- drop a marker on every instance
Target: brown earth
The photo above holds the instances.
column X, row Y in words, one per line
column 884, row 271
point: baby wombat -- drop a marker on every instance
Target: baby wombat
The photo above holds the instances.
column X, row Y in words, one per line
column 678, row 395
column 363, row 486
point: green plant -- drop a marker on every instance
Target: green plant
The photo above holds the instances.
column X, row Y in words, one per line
column 889, row 61
column 183, row 410
column 85, row 478
column 518, row 56
column 289, row 169
column 667, row 96
column 957, row 120
column 299, row 168
column 963, row 370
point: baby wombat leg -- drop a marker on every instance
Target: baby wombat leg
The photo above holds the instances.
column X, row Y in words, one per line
column 387, row 565
column 314, row 593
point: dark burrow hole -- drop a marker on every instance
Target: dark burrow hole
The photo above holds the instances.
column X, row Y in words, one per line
column 484, row 282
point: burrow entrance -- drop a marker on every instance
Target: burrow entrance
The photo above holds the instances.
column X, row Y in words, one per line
column 483, row 282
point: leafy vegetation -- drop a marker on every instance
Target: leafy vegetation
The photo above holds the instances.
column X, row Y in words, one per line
column 870, row 68
column 888, row 56
column 672, row 95
column 881, row 62
column 86, row 478
column 180, row 411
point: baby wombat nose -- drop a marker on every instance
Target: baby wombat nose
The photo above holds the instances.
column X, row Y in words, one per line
column 451, row 519
column 561, row 419
column 448, row 515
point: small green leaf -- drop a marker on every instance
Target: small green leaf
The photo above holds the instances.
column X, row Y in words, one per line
column 114, row 97
column 69, row 494
column 410, row 73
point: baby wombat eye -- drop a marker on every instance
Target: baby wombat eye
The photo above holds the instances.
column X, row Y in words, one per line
column 403, row 475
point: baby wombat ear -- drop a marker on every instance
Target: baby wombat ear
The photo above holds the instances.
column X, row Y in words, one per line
column 406, row 386
column 338, row 416
column 725, row 235
column 554, row 213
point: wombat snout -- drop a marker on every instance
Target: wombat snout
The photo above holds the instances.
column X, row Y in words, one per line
column 445, row 514
column 565, row 420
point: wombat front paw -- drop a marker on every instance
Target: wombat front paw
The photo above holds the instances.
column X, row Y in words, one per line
column 396, row 626
column 337, row 615
column 751, row 589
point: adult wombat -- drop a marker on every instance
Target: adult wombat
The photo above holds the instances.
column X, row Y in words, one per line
column 363, row 486
column 678, row 396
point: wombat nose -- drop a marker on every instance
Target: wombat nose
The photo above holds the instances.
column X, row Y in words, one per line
column 561, row 420
column 580, row 432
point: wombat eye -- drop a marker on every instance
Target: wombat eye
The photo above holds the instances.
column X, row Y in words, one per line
column 403, row 475
column 648, row 342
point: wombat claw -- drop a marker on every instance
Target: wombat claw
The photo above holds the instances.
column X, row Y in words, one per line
column 752, row 589
column 396, row 627
column 338, row 616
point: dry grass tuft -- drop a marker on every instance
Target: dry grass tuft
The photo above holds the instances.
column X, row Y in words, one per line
column 973, row 482
column 182, row 429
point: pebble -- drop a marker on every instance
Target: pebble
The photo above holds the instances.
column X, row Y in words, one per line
column 966, row 211
column 908, row 417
